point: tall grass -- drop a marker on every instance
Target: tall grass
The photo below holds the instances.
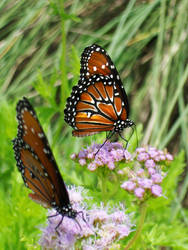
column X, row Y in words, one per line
column 40, row 45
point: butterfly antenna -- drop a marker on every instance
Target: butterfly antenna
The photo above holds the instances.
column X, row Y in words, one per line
column 133, row 129
column 101, row 147
column 124, row 139
column 107, row 138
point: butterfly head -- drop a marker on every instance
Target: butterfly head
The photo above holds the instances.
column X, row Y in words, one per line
column 120, row 125
column 67, row 210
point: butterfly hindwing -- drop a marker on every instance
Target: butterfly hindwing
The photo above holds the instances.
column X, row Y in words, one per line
column 94, row 106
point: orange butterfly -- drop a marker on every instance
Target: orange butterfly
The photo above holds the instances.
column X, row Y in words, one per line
column 99, row 102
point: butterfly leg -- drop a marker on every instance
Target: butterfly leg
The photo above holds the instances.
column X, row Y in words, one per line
column 83, row 218
column 54, row 215
column 59, row 225
column 78, row 224
column 125, row 139
column 50, row 216
column 133, row 129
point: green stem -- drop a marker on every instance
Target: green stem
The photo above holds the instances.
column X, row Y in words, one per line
column 143, row 210
column 104, row 192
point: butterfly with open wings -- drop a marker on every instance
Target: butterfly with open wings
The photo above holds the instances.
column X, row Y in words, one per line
column 99, row 102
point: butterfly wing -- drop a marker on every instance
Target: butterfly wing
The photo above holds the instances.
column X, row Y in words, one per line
column 95, row 105
column 35, row 160
column 96, row 61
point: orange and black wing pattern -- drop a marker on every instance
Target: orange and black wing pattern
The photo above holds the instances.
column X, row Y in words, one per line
column 96, row 61
column 36, row 162
column 99, row 102
column 95, row 106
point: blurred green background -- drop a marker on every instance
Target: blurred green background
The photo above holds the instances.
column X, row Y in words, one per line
column 40, row 46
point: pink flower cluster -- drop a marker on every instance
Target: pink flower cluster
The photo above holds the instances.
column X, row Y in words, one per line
column 99, row 156
column 147, row 173
column 143, row 170
column 111, row 225
column 101, row 227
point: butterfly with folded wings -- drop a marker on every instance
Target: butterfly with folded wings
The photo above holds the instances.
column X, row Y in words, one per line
column 99, row 102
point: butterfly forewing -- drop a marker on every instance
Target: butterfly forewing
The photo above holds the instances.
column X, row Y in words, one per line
column 35, row 159
column 96, row 61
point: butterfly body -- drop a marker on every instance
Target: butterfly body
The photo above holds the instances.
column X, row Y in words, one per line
column 36, row 163
column 99, row 102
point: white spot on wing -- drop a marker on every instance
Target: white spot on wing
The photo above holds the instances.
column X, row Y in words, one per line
column 32, row 130
column 89, row 114
column 45, row 151
column 40, row 135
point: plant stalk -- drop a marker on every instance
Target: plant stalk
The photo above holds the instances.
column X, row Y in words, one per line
column 143, row 210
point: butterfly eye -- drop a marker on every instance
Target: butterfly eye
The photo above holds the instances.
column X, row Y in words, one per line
column 36, row 163
column 100, row 103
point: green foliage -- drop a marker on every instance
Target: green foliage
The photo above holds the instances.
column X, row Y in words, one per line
column 21, row 218
column 162, row 227
column 40, row 44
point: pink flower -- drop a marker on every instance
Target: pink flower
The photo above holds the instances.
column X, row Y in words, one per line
column 143, row 157
column 145, row 183
column 149, row 163
column 111, row 165
column 140, row 150
column 139, row 192
column 92, row 166
column 157, row 178
column 104, row 227
column 82, row 162
column 157, row 158
column 128, row 185
column 143, row 171
column 153, row 153
column 119, row 216
column 140, row 172
column 73, row 156
column 151, row 171
column 162, row 157
column 98, row 215
column 91, row 155
column 117, row 154
column 169, row 157
column 156, row 190
column 123, row 230
column 82, row 154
